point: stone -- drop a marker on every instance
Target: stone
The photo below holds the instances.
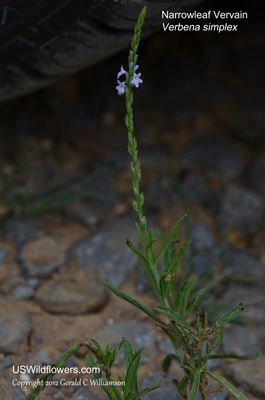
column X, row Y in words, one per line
column 204, row 262
column 246, row 339
column 93, row 210
column 195, row 189
column 6, row 362
column 248, row 374
column 107, row 250
column 40, row 257
column 201, row 236
column 23, row 292
column 215, row 396
column 246, row 218
column 15, row 326
column 160, row 192
column 22, row 230
column 139, row 334
column 82, row 293
column 216, row 157
column 84, row 393
column 9, row 391
column 39, row 359
column 239, row 262
column 3, row 254
column 168, row 391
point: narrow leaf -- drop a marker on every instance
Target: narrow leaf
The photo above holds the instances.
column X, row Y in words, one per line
column 184, row 298
column 182, row 384
column 251, row 357
column 146, row 390
column 131, row 385
column 167, row 361
column 195, row 385
column 173, row 315
column 135, row 303
column 228, row 386
column 128, row 353
column 194, row 302
column 218, row 338
column 230, row 315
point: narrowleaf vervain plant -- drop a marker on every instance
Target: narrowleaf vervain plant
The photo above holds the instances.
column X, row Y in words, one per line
column 194, row 339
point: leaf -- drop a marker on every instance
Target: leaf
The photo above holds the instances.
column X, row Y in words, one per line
column 228, row 386
column 131, row 385
column 135, row 303
column 218, row 338
column 146, row 390
column 128, row 353
column 230, row 315
column 195, row 385
column 184, row 297
column 173, row 315
column 252, row 357
column 172, row 236
column 99, row 348
column 167, row 361
column 194, row 302
column 150, row 272
column 182, row 384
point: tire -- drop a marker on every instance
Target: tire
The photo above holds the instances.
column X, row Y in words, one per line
column 41, row 41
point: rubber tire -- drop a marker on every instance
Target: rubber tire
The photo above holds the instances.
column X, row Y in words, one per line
column 41, row 41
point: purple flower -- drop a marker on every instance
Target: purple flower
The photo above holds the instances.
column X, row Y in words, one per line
column 122, row 72
column 136, row 79
column 121, row 87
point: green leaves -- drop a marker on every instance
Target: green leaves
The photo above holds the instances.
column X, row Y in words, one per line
column 230, row 315
column 228, row 386
column 134, row 302
column 195, row 385
column 129, row 385
column 251, row 357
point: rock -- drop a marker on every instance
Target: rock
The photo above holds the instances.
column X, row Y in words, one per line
column 6, row 362
column 168, row 391
column 9, row 391
column 41, row 257
column 250, row 338
column 142, row 284
column 23, row 292
column 239, row 262
column 196, row 190
column 107, row 250
column 93, row 210
column 3, row 254
column 137, row 333
column 248, row 374
column 166, row 346
column 215, row 396
column 160, row 192
column 22, row 230
column 15, row 326
column 242, row 210
column 201, row 236
column 39, row 359
column 204, row 262
column 256, row 179
column 84, row 393
column 216, row 157
column 82, row 293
